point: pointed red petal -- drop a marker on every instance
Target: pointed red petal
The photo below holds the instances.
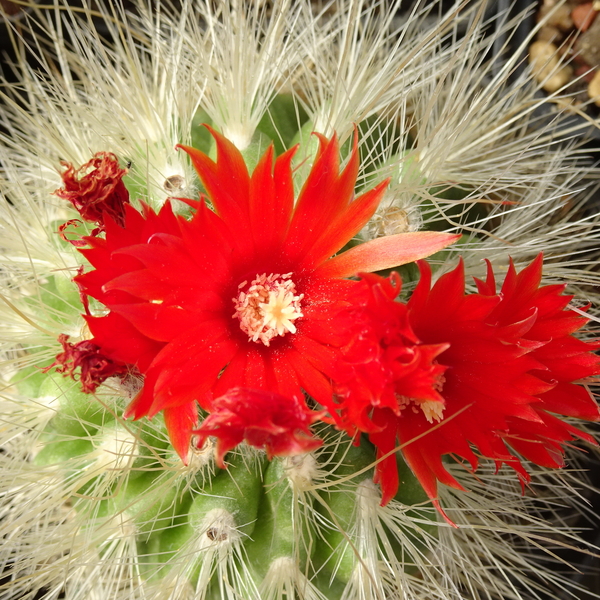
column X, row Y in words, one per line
column 343, row 228
column 385, row 253
column 140, row 405
column 227, row 183
column 262, row 199
column 271, row 201
column 324, row 195
column 122, row 342
column 174, row 386
column 487, row 287
column 180, row 422
column 158, row 322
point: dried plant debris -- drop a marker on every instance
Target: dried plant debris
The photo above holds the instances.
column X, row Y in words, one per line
column 566, row 52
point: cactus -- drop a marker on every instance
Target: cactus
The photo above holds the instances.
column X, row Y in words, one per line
column 228, row 371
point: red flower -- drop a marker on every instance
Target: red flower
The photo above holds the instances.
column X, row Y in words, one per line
column 96, row 190
column 245, row 295
column 266, row 420
column 511, row 364
column 390, row 367
column 94, row 368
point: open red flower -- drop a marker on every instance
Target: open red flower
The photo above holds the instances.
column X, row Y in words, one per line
column 96, row 189
column 245, row 294
column 267, row 420
column 511, row 368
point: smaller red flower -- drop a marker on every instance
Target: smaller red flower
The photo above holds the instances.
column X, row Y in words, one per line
column 390, row 366
column 94, row 367
column 509, row 368
column 96, row 189
column 279, row 424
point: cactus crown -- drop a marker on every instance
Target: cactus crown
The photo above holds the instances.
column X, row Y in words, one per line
column 229, row 371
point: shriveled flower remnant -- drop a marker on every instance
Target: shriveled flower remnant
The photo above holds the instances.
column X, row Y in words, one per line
column 96, row 190
column 449, row 372
column 85, row 361
column 245, row 296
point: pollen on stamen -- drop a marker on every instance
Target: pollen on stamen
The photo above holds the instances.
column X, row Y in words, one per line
column 433, row 410
column 268, row 307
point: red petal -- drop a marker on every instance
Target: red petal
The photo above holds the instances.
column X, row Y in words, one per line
column 174, row 386
column 346, row 225
column 226, row 180
column 227, row 183
column 311, row 379
column 122, row 342
column 385, row 253
column 572, row 401
column 317, row 203
column 271, row 201
column 156, row 321
column 180, row 421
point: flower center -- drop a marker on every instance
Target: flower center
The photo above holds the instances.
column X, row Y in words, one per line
column 267, row 307
column 432, row 409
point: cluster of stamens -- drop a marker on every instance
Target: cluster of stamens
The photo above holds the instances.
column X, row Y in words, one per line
column 267, row 307
column 433, row 410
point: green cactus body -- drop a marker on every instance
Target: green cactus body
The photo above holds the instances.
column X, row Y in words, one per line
column 28, row 380
column 76, row 414
column 58, row 451
column 284, row 529
column 341, row 507
column 257, row 524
